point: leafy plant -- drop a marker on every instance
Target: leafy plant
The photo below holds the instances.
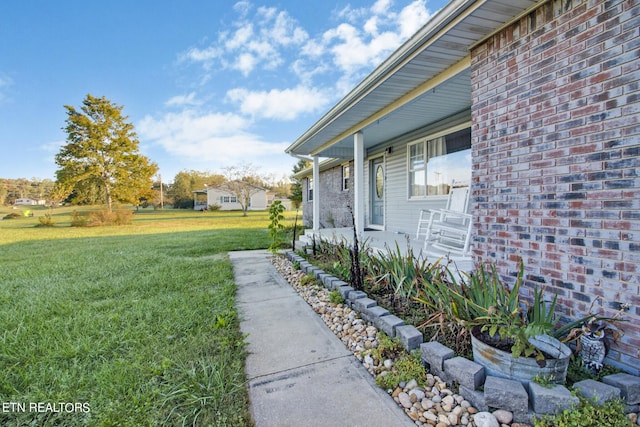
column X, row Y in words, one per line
column 546, row 381
column 482, row 299
column 336, row 297
column 46, row 221
column 408, row 367
column 79, row 220
column 577, row 372
column 588, row 414
column 388, row 347
column 403, row 273
column 276, row 227
column 308, row 280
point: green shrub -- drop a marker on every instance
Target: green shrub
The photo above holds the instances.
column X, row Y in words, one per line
column 46, row 221
column 117, row 217
column 308, row 280
column 276, row 227
column 401, row 273
column 79, row 220
column 588, row 414
column 336, row 297
column 407, row 368
column 577, row 372
column 12, row 215
column 388, row 348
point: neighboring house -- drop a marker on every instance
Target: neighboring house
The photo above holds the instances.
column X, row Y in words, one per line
column 535, row 104
column 227, row 200
column 30, row 202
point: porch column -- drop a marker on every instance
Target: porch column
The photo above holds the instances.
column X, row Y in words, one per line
column 358, row 182
column 316, row 193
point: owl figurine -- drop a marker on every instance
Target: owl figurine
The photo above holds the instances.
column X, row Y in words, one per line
column 592, row 346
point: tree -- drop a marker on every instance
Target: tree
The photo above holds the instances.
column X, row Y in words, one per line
column 296, row 186
column 101, row 155
column 243, row 182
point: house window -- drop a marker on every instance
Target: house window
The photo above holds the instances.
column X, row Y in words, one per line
column 346, row 175
column 309, row 189
column 434, row 163
column 228, row 199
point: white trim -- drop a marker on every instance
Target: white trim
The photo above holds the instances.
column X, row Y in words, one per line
column 316, row 193
column 358, row 182
column 372, row 188
column 346, row 165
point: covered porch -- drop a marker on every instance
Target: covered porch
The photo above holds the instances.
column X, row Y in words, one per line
column 379, row 240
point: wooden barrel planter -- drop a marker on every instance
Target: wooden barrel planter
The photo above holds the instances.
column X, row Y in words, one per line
column 502, row 364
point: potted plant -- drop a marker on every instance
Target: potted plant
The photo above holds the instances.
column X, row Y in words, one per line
column 510, row 337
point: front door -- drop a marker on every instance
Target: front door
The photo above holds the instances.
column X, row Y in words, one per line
column 377, row 191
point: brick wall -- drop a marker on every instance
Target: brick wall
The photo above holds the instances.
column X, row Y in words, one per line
column 334, row 202
column 556, row 149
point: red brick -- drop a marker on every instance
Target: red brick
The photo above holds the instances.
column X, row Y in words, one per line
column 554, row 136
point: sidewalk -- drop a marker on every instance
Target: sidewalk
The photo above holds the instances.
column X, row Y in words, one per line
column 299, row 373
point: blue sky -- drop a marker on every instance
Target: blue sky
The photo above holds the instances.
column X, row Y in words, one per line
column 206, row 83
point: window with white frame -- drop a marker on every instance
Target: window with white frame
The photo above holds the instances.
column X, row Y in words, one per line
column 309, row 189
column 435, row 162
column 228, row 199
column 346, row 176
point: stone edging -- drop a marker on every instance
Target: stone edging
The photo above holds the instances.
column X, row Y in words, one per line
column 483, row 391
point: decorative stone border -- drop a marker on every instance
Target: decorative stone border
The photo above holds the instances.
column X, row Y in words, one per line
column 484, row 392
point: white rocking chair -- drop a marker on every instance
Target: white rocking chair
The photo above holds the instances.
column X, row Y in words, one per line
column 448, row 229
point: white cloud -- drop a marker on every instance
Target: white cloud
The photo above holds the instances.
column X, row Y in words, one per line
column 181, row 100
column 381, row 7
column 254, row 40
column 276, row 104
column 360, row 41
column 201, row 55
column 271, row 41
column 412, row 18
column 217, row 139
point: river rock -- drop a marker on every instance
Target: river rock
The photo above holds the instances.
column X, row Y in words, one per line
column 503, row 416
column 485, row 419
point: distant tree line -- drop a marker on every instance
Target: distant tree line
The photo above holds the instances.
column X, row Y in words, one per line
column 21, row 188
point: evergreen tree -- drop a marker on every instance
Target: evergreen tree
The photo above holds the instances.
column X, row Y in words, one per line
column 101, row 156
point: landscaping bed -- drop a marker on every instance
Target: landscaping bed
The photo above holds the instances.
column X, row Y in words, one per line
column 404, row 301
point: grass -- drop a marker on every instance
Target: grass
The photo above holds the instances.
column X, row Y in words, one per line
column 137, row 323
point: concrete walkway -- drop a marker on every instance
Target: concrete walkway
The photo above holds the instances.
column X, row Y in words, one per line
column 299, row 372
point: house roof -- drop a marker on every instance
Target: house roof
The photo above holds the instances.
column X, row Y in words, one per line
column 426, row 80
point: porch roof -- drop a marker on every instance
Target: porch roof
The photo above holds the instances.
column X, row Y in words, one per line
column 426, row 80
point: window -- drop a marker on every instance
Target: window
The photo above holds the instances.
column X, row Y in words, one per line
column 434, row 163
column 346, row 175
column 309, row 189
column 228, row 199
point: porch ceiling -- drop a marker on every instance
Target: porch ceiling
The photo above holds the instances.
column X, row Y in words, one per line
column 426, row 80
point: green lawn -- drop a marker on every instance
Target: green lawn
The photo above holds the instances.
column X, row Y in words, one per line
column 129, row 326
